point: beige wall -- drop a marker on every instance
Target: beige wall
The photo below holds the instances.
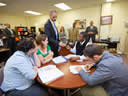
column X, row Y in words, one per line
column 14, row 20
column 120, row 18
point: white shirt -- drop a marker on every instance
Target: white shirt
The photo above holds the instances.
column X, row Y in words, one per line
column 91, row 27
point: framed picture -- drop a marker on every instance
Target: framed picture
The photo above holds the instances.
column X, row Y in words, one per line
column 81, row 24
column 106, row 20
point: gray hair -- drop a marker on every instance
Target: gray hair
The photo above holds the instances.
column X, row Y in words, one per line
column 52, row 11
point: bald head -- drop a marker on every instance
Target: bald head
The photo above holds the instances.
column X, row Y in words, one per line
column 53, row 15
column 91, row 23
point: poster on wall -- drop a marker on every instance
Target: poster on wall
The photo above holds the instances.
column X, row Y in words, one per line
column 106, row 20
column 81, row 24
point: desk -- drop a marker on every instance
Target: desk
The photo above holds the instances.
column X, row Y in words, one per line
column 110, row 44
column 4, row 50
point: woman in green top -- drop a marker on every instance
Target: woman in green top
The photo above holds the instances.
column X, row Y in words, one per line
column 44, row 52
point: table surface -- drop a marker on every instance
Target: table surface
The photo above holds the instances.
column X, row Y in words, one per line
column 4, row 49
column 69, row 80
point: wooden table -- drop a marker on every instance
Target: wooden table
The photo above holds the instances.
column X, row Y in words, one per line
column 4, row 49
column 69, row 80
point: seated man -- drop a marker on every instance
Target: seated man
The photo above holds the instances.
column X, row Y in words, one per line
column 111, row 74
column 79, row 46
column 20, row 72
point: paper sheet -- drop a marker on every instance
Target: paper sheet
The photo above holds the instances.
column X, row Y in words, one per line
column 74, row 71
column 59, row 59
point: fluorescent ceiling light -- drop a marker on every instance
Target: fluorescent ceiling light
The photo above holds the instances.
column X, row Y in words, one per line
column 110, row 0
column 62, row 6
column 3, row 4
column 32, row 12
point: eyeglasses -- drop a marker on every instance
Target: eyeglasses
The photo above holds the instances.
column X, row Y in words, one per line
column 54, row 17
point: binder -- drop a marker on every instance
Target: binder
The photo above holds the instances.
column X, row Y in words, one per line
column 49, row 74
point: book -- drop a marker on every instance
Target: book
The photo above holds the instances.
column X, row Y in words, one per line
column 74, row 71
column 59, row 59
column 49, row 73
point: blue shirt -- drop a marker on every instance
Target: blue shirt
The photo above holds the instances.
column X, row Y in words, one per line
column 18, row 72
column 111, row 73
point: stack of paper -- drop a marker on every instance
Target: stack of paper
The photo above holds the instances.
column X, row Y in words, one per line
column 49, row 73
column 59, row 59
column 74, row 71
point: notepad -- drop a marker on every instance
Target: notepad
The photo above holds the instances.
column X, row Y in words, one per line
column 74, row 71
column 49, row 73
column 59, row 59
column 71, row 55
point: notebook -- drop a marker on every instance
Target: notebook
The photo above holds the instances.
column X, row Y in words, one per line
column 49, row 73
column 71, row 55
column 59, row 59
column 74, row 71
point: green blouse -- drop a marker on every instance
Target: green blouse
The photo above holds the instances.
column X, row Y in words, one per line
column 40, row 53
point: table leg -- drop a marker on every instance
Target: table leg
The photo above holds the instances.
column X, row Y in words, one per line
column 65, row 92
column 68, row 92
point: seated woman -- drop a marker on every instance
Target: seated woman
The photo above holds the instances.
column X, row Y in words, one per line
column 20, row 72
column 44, row 52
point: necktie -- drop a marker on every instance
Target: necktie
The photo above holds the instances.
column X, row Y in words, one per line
column 54, row 26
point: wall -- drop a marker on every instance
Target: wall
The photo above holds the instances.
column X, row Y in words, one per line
column 14, row 20
column 120, row 17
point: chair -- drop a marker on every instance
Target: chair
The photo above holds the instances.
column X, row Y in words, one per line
column 1, row 80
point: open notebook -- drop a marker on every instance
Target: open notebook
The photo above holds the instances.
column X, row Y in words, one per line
column 49, row 73
column 74, row 71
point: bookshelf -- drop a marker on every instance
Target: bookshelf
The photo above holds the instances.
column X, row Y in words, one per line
column 22, row 32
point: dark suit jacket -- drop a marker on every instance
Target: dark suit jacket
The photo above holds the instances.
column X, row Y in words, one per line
column 94, row 30
column 49, row 31
column 8, row 33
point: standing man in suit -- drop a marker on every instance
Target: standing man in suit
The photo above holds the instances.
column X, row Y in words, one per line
column 10, row 34
column 52, row 33
column 92, row 31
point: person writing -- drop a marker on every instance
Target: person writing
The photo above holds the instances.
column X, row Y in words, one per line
column 20, row 72
column 110, row 77
column 44, row 52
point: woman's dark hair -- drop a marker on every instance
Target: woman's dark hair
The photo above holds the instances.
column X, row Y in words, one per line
column 40, row 38
column 92, row 50
column 25, row 45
